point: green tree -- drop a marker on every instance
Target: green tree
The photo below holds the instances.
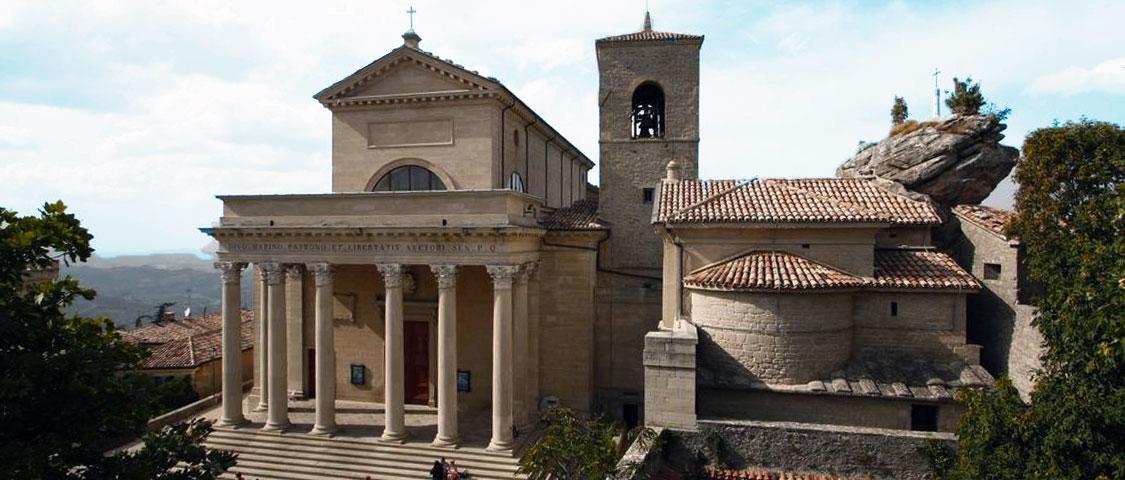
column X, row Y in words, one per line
column 899, row 111
column 1071, row 221
column 966, row 98
column 68, row 385
column 571, row 448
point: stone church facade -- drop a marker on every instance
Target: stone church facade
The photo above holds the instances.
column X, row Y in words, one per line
column 463, row 262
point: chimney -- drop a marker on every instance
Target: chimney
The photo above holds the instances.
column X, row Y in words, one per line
column 411, row 39
column 673, row 172
column 169, row 316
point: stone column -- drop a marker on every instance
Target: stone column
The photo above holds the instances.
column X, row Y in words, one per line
column 325, row 351
column 231, row 274
column 447, row 355
column 295, row 328
column 262, row 349
column 502, row 276
column 393, row 394
column 520, row 345
column 277, row 417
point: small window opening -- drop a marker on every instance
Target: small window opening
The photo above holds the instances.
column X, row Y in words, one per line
column 647, row 195
column 516, row 137
column 924, row 418
column 631, row 415
column 992, row 271
column 648, row 111
column 515, row 182
column 894, row 309
column 804, row 245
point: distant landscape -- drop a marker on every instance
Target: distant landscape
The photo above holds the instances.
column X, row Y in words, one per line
column 135, row 285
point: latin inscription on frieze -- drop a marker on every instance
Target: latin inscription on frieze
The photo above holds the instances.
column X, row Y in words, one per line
column 361, row 248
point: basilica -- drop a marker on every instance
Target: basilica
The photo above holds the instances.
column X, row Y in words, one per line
column 463, row 263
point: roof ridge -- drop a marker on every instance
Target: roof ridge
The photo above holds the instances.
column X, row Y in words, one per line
column 753, row 250
column 859, row 209
column 191, row 349
column 715, row 196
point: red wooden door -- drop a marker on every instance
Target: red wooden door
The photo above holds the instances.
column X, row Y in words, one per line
column 417, row 355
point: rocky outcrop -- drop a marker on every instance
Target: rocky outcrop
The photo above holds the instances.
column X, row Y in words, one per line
column 954, row 161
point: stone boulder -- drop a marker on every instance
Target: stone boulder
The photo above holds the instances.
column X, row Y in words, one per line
column 954, row 161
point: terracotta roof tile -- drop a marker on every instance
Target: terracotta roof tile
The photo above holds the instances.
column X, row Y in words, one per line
column 192, row 347
column 582, row 215
column 905, row 268
column 712, row 473
column 169, row 330
column 992, row 219
column 649, row 35
column 770, row 270
column 825, row 200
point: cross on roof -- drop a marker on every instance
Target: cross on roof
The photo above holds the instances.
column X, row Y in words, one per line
column 411, row 12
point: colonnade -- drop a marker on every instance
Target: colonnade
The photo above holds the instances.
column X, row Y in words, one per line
column 510, row 299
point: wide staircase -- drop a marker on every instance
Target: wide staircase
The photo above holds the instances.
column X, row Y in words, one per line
column 298, row 456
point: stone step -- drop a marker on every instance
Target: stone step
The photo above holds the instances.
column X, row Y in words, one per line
column 268, row 456
column 346, row 442
column 350, row 461
column 358, row 449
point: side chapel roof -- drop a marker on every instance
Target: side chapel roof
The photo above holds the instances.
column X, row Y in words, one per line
column 813, row 200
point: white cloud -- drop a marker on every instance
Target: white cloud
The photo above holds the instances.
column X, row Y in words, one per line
column 1107, row 76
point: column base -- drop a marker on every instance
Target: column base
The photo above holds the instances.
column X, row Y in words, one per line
column 262, row 407
column 276, row 427
column 230, row 422
column 393, row 438
column 323, row 430
column 499, row 446
column 446, row 443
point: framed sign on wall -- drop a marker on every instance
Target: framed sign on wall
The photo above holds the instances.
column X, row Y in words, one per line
column 359, row 374
column 464, row 381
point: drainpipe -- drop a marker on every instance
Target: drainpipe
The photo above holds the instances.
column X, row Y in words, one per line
column 546, row 171
column 527, row 155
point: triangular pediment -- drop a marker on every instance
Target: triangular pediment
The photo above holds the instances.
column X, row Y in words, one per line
column 406, row 72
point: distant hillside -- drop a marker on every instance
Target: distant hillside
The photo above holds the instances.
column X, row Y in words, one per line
column 132, row 286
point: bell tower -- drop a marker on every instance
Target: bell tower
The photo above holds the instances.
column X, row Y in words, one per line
column 648, row 99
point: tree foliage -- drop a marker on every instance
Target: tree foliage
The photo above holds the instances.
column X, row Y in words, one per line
column 571, row 448
column 966, row 98
column 1071, row 221
column 899, row 111
column 68, row 386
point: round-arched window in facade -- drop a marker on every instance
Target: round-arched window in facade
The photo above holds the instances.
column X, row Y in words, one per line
column 408, row 178
column 515, row 182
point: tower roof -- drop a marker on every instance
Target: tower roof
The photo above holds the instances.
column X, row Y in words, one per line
column 648, row 34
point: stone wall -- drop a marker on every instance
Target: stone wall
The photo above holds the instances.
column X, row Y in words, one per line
column 847, row 410
column 997, row 320
column 771, row 338
column 804, row 448
column 566, row 327
column 628, row 307
column 670, row 380
column 926, row 323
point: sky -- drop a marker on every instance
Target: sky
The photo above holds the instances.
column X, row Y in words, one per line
column 137, row 113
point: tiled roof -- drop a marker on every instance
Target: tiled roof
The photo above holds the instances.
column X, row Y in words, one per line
column 192, row 347
column 771, row 270
column 991, row 219
column 712, row 473
column 887, row 373
column 905, row 268
column 649, row 35
column 820, row 200
column 581, row 215
column 168, row 330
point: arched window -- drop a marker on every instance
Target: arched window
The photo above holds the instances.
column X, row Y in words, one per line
column 515, row 182
column 409, row 178
column 648, row 111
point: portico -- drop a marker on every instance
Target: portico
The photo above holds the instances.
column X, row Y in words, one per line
column 426, row 264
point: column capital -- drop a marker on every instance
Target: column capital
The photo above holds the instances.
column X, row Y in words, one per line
column 230, row 272
column 293, row 271
column 322, row 273
column 502, row 275
column 446, row 275
column 527, row 271
column 392, row 274
column 272, row 272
